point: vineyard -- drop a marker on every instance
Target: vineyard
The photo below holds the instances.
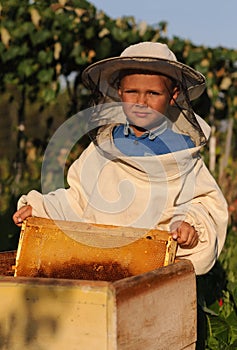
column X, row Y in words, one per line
column 44, row 47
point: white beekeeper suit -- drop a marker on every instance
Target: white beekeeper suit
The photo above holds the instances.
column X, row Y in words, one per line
column 107, row 187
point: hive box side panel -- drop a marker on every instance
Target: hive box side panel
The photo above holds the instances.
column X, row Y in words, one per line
column 156, row 310
column 160, row 313
column 51, row 317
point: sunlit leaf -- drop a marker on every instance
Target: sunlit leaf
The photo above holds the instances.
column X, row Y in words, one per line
column 103, row 32
column 79, row 12
column 35, row 17
column 62, row 2
column 57, row 50
column 5, row 36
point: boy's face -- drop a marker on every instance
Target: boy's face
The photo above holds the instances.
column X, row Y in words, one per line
column 146, row 98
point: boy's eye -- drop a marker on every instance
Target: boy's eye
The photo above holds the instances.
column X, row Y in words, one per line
column 154, row 93
column 130, row 91
column 136, row 92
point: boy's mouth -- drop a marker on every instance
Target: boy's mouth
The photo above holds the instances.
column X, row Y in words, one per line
column 141, row 114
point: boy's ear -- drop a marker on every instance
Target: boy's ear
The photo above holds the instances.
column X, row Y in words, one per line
column 119, row 91
column 174, row 96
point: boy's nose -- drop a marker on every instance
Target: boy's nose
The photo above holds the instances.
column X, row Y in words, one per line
column 142, row 99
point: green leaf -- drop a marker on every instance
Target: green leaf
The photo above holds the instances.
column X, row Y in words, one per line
column 119, row 34
column 219, row 328
column 232, row 286
column 48, row 95
column 45, row 75
column 77, row 50
column 23, row 30
column 103, row 48
column 40, row 37
column 25, row 68
column 194, row 56
column 11, row 53
column 213, row 343
column 11, row 78
column 45, row 57
column 232, row 321
column 90, row 33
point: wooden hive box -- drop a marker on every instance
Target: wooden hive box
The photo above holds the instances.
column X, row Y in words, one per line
column 154, row 310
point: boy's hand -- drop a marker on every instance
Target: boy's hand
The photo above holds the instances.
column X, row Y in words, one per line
column 22, row 214
column 185, row 234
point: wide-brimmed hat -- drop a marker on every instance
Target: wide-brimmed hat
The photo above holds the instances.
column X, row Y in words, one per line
column 145, row 56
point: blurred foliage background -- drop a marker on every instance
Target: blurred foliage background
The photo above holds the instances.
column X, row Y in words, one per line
column 44, row 47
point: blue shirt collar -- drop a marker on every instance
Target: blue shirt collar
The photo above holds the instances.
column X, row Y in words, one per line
column 152, row 134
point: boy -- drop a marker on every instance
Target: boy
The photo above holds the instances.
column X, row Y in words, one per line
column 145, row 169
